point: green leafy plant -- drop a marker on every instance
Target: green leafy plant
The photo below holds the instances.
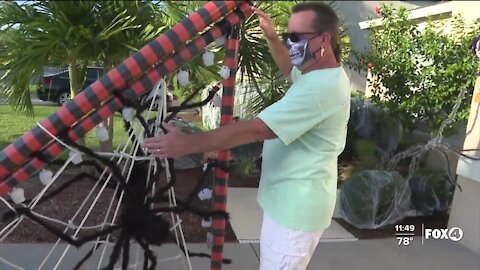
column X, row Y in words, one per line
column 246, row 158
column 365, row 158
column 417, row 74
column 371, row 122
column 366, row 153
column 372, row 199
column 432, row 192
column 246, row 166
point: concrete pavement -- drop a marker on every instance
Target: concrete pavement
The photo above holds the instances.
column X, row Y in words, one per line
column 377, row 254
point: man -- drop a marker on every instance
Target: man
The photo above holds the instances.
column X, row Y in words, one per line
column 304, row 133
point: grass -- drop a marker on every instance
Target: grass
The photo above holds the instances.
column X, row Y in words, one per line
column 33, row 89
column 14, row 124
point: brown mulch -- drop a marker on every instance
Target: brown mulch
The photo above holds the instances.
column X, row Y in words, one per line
column 62, row 207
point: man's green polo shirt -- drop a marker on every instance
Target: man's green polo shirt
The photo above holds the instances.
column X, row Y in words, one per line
column 299, row 169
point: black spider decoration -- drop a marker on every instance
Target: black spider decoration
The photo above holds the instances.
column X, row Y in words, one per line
column 140, row 219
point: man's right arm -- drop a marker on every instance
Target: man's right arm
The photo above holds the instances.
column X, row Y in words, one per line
column 280, row 55
column 277, row 49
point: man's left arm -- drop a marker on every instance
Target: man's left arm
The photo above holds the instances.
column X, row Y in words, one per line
column 177, row 143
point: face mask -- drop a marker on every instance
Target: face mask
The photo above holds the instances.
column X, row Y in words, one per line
column 298, row 51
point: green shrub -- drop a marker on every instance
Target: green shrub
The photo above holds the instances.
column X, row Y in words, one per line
column 372, row 199
column 417, row 75
column 371, row 123
column 432, row 192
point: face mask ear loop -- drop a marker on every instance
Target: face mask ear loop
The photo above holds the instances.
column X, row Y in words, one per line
column 305, row 52
column 322, row 52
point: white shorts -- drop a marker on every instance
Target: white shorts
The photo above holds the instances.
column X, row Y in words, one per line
column 282, row 248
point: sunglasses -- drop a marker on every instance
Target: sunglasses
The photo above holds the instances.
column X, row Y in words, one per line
column 295, row 36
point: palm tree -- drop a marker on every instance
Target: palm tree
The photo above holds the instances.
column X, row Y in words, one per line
column 69, row 34
column 144, row 25
column 58, row 33
column 200, row 75
column 263, row 76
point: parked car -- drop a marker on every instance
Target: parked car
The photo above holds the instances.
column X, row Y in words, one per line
column 56, row 87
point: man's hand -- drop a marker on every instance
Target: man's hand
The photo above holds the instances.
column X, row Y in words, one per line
column 266, row 24
column 277, row 48
column 175, row 143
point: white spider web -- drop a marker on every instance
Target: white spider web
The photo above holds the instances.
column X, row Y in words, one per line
column 86, row 218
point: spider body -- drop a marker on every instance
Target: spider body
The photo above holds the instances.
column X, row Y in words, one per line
column 143, row 223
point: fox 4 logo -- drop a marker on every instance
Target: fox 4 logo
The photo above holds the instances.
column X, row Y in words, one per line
column 454, row 234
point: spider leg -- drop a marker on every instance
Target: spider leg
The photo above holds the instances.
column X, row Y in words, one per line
column 117, row 249
column 87, row 256
column 173, row 178
column 93, row 164
column 134, row 139
column 182, row 208
column 148, row 254
column 144, row 124
column 11, row 214
column 67, row 184
column 198, row 254
column 185, row 104
column 75, row 242
column 107, row 162
column 126, row 252
column 210, row 166
column 86, row 162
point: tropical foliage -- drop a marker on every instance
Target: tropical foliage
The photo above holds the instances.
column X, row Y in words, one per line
column 418, row 74
column 68, row 34
column 263, row 76
column 57, row 33
column 75, row 34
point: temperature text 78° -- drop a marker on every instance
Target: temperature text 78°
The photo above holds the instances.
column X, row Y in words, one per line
column 404, row 240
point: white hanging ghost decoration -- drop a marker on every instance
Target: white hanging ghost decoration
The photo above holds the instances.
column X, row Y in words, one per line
column 205, row 194
column 217, row 101
column 46, row 176
column 220, row 41
column 224, row 72
column 128, row 113
column 102, row 133
column 207, row 223
column 17, row 195
column 77, row 157
column 208, row 58
column 182, row 77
